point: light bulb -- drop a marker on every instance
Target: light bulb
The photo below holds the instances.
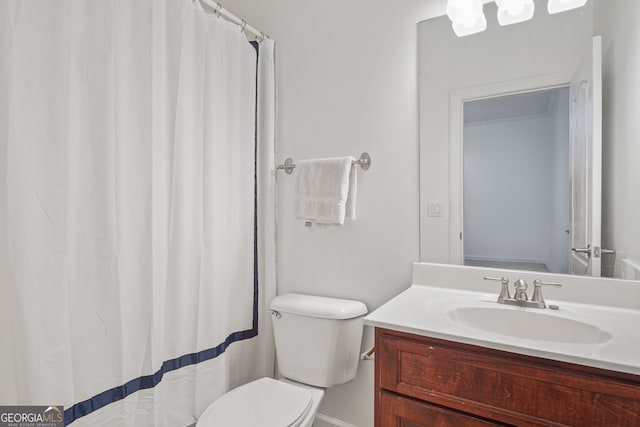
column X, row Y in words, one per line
column 557, row 6
column 456, row 9
column 513, row 11
column 468, row 20
column 469, row 26
column 466, row 16
column 513, row 7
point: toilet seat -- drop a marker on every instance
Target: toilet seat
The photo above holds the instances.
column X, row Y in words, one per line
column 265, row 403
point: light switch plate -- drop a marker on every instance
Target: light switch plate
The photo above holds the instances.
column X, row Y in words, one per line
column 434, row 209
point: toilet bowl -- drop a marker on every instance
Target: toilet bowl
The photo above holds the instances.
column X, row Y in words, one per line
column 317, row 342
column 266, row 403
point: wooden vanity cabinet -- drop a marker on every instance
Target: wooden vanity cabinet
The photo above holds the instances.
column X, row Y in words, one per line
column 427, row 382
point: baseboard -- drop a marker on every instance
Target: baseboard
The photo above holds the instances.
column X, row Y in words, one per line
column 333, row 421
column 480, row 258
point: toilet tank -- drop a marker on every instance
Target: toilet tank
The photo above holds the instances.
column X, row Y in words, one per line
column 317, row 339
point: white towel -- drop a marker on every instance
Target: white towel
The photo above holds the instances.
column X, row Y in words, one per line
column 325, row 191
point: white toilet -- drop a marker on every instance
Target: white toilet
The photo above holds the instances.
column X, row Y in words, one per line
column 317, row 343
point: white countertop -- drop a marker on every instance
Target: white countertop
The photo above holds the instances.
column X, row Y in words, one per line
column 426, row 310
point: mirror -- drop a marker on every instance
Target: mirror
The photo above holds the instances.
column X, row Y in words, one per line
column 543, row 54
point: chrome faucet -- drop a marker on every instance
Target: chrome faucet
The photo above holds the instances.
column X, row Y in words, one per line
column 520, row 297
column 521, row 290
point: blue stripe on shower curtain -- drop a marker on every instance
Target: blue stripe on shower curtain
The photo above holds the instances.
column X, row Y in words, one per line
column 107, row 397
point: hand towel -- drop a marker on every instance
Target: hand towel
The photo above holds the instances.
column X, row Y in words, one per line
column 325, row 192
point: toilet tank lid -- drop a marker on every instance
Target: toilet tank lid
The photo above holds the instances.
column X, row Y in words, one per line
column 315, row 306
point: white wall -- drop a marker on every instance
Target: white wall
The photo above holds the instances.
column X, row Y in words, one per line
column 548, row 44
column 508, row 183
column 618, row 21
column 347, row 77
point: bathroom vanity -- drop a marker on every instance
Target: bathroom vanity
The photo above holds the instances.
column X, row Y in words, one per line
column 450, row 356
column 422, row 381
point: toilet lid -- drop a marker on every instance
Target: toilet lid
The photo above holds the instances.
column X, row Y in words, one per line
column 265, row 402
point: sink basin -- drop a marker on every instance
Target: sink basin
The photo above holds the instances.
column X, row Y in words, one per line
column 599, row 336
column 529, row 325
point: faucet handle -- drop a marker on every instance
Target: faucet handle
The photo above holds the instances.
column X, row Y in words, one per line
column 539, row 283
column 497, row 279
column 537, row 292
column 504, row 291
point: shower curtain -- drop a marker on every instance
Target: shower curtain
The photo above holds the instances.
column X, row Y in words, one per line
column 136, row 209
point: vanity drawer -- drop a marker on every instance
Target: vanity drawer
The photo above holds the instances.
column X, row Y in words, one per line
column 401, row 411
column 507, row 387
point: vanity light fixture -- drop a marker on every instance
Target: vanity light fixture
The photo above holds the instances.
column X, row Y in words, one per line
column 514, row 11
column 557, row 6
column 466, row 16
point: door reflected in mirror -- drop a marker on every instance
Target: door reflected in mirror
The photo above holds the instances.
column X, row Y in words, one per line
column 516, row 202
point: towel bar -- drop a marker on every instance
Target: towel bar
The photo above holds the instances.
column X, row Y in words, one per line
column 364, row 161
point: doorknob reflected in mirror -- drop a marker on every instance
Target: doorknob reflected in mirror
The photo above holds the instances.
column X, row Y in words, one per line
column 586, row 250
column 597, row 252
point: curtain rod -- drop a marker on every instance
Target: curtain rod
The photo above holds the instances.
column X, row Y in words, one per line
column 244, row 27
